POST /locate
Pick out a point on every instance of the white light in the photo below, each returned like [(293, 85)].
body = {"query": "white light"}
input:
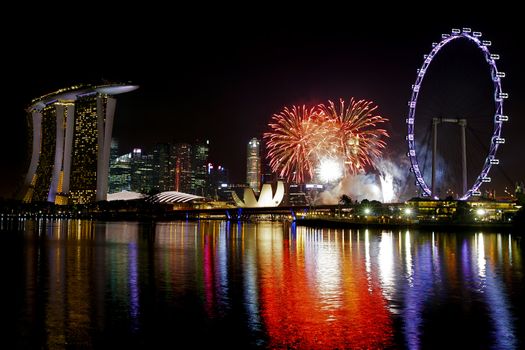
[(480, 212), (330, 170), (367, 211), (408, 211)]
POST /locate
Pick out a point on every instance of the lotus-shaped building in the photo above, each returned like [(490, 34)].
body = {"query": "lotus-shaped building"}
[(266, 197)]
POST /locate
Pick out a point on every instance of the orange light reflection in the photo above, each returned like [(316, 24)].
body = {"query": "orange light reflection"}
[(317, 295)]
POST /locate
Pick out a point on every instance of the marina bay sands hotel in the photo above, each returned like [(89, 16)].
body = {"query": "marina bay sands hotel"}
[(71, 139)]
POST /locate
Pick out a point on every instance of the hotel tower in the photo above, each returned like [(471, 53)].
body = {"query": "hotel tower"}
[(71, 140)]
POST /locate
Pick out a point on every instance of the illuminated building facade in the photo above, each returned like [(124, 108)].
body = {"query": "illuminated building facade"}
[(164, 169), (71, 139), (467, 211), (217, 180), (199, 165), (120, 173), (267, 175), (182, 161), (142, 171), (253, 165)]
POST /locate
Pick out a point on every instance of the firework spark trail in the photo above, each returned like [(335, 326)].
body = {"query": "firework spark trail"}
[(301, 138), (359, 140), (293, 143)]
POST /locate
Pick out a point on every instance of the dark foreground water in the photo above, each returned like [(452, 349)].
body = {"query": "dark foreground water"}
[(79, 284)]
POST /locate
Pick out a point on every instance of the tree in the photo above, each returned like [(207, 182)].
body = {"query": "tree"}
[(463, 212), (345, 200)]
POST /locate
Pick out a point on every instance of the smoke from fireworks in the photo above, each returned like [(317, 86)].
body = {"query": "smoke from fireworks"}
[(384, 185), (302, 139)]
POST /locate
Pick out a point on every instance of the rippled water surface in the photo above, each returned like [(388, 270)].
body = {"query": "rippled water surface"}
[(82, 284)]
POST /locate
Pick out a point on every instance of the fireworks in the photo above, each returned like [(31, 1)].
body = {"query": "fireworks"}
[(302, 138), (292, 144)]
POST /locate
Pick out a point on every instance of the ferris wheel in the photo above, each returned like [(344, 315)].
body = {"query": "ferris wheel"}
[(498, 119)]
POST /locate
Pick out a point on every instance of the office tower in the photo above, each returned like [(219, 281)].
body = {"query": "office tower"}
[(267, 175), (217, 179), (163, 174), (113, 153), (181, 156), (199, 167), (253, 165), (71, 139), (120, 174), (142, 171)]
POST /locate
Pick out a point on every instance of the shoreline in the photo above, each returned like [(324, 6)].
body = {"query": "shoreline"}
[(448, 226)]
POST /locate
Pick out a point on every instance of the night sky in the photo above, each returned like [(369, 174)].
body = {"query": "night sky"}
[(221, 79)]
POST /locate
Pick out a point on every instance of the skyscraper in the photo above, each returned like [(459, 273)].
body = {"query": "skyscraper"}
[(142, 171), (199, 167), (253, 165), (164, 179), (71, 139), (182, 159), (120, 173)]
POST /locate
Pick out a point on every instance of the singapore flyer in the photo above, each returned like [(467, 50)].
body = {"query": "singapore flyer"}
[(426, 182)]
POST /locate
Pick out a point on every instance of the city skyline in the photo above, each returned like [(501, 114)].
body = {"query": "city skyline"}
[(230, 83)]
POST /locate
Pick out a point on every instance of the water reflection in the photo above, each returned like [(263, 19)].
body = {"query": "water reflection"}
[(315, 295), (270, 285)]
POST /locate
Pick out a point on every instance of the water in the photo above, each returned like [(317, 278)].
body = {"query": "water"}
[(80, 284)]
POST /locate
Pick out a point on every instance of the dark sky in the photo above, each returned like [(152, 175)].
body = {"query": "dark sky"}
[(221, 78)]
